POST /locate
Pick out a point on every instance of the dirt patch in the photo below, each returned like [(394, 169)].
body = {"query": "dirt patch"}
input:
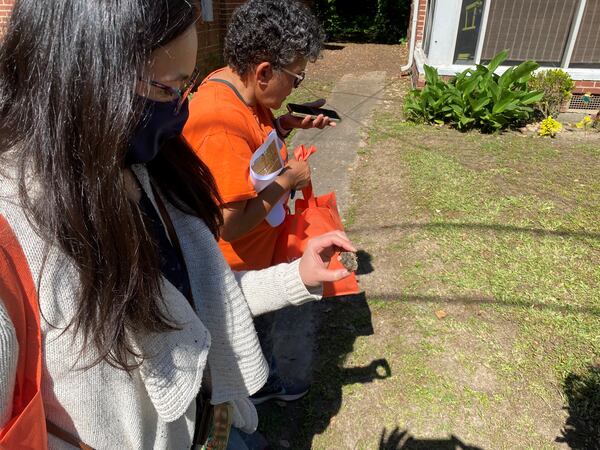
[(342, 58)]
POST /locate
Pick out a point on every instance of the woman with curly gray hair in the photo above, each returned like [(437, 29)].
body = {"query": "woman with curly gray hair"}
[(267, 48)]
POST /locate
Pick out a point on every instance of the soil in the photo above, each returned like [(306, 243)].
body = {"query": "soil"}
[(339, 59)]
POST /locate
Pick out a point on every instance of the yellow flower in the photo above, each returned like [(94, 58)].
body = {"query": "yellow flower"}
[(549, 127), (584, 122)]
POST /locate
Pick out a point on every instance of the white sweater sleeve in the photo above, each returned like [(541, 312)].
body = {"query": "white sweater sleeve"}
[(275, 288), (9, 351)]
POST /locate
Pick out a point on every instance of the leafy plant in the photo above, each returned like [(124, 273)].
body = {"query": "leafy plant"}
[(556, 85), (476, 98), (382, 21), (550, 127)]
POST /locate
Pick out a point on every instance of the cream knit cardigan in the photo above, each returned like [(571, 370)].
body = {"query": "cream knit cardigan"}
[(153, 407)]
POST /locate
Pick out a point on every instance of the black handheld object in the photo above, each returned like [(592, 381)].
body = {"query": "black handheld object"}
[(304, 111)]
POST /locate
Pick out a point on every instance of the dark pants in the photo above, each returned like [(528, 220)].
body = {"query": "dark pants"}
[(264, 328)]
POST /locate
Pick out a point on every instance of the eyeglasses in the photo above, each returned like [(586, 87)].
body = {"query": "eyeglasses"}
[(299, 78), (180, 94)]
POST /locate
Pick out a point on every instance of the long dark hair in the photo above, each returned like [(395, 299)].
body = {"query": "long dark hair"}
[(68, 71)]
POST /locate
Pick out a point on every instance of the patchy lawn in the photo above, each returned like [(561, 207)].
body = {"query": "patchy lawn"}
[(481, 322), (480, 327), (485, 289)]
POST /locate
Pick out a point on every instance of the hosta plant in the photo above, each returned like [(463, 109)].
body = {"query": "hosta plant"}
[(476, 98)]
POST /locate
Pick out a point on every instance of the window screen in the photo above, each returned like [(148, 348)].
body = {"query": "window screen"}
[(533, 29), (587, 46)]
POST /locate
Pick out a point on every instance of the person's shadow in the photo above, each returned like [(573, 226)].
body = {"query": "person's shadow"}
[(338, 322), (402, 440), (582, 391)]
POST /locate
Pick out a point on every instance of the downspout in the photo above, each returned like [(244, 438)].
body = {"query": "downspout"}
[(413, 35)]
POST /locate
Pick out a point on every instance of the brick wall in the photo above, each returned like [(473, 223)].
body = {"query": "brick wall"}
[(5, 8), (421, 17), (587, 87)]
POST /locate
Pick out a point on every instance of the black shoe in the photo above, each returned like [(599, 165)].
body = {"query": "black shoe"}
[(280, 391)]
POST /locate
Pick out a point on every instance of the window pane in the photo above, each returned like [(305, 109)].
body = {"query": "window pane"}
[(468, 31), (429, 24), (587, 46), (533, 29)]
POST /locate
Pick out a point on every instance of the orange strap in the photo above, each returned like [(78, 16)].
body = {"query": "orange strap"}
[(27, 427)]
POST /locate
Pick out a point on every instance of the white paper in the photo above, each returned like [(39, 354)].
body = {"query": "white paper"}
[(260, 182)]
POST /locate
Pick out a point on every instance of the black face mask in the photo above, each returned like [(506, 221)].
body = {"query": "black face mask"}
[(157, 126)]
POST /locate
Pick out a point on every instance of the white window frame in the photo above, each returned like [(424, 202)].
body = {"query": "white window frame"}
[(444, 30)]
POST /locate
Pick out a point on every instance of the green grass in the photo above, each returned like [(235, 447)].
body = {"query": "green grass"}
[(516, 221), (513, 222)]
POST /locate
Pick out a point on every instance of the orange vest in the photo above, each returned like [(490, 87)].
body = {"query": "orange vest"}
[(26, 429)]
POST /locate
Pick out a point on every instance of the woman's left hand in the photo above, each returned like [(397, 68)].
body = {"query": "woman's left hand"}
[(289, 121), (316, 257)]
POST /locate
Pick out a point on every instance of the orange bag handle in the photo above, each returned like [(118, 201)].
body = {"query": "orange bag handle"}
[(309, 195), (302, 154)]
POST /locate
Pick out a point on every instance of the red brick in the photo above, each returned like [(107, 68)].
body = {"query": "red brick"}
[(587, 90), (584, 83)]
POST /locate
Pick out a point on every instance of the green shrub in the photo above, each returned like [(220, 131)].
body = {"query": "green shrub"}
[(476, 98), (556, 85), (382, 21)]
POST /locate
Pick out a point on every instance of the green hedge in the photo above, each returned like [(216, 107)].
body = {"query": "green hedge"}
[(381, 21)]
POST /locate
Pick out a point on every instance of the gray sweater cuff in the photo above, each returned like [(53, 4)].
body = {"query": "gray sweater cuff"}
[(297, 292), (275, 288)]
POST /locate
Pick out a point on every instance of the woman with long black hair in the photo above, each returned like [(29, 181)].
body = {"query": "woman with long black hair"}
[(141, 317)]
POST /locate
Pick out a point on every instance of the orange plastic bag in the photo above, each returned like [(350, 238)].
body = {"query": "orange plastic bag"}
[(313, 216), (26, 429)]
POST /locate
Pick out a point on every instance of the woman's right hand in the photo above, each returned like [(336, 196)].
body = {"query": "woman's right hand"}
[(317, 255), (297, 174)]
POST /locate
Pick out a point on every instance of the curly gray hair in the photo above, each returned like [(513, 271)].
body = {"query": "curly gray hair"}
[(276, 31)]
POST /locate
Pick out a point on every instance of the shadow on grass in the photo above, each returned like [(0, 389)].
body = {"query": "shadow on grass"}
[(340, 321), (506, 302), (402, 440), (582, 429)]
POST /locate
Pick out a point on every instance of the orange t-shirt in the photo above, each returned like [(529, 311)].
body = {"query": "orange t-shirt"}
[(225, 132)]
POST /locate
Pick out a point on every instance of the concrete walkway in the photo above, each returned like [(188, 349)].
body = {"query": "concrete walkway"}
[(354, 97)]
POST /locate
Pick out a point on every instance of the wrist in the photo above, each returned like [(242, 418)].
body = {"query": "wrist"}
[(284, 128), (285, 180)]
